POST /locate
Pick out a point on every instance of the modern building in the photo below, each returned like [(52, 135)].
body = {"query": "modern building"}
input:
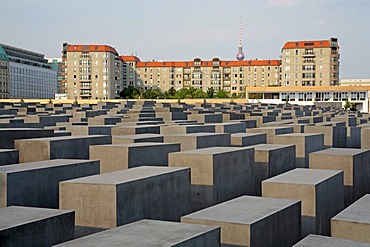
[(310, 63), (4, 74), (57, 65), (358, 95), (30, 75), (91, 71), (129, 75), (354, 82)]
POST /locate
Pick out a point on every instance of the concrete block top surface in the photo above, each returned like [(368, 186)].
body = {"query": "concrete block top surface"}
[(303, 176), (15, 216), (358, 212), (267, 147), (247, 134), (45, 164), (199, 134), (133, 145), (323, 241), (7, 150), (126, 176), (342, 151), (138, 136), (242, 210), (143, 233), (20, 129), (299, 135), (213, 150), (62, 138)]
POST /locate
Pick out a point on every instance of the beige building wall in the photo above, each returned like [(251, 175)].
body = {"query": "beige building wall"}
[(92, 72), (310, 63)]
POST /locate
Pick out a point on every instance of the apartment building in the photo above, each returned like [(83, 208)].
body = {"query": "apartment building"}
[(232, 76), (310, 63), (91, 71), (4, 74), (30, 75)]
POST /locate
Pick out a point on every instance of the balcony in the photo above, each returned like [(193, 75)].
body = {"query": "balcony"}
[(309, 54)]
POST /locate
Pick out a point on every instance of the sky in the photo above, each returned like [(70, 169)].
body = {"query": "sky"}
[(181, 30)]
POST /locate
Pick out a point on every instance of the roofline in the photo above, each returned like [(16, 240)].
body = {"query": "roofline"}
[(305, 89)]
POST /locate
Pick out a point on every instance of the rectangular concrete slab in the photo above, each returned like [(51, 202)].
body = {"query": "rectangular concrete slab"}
[(9, 156), (305, 143), (321, 193), (217, 174), (186, 129), (63, 147), (323, 241), (271, 132), (152, 233), (354, 163), (24, 226), (271, 160), (137, 138), (9, 135), (117, 198), (199, 140), (247, 139), (36, 184), (253, 221), (353, 222), (124, 156)]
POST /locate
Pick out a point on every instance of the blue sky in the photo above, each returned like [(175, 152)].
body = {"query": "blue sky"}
[(185, 29)]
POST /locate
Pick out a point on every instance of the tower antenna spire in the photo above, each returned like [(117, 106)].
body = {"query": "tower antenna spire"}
[(240, 55)]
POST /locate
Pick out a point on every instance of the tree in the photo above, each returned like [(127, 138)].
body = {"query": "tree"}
[(210, 92), (222, 94), (127, 92), (198, 94)]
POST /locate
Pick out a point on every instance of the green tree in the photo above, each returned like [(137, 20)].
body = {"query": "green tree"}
[(210, 92), (127, 92), (199, 93), (222, 94)]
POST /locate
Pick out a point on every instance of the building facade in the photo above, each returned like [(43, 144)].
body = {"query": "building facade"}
[(30, 75), (231, 76), (98, 72), (310, 63), (4, 74), (91, 72)]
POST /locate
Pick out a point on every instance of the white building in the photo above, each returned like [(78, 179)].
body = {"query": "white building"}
[(354, 82), (30, 75), (358, 95)]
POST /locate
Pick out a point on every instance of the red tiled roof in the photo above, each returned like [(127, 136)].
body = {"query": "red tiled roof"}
[(210, 63), (91, 48), (307, 44), (129, 58)]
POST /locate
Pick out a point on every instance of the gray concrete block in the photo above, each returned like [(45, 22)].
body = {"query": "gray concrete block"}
[(64, 147), (305, 143), (353, 223), (36, 184), (137, 138), (271, 132), (9, 156), (353, 137), (135, 129), (320, 191), (217, 174), (117, 198), (247, 139), (152, 233), (9, 135), (124, 156), (24, 226), (334, 136), (253, 221), (206, 118), (354, 163), (230, 127), (365, 138), (271, 160), (199, 140), (322, 241), (186, 129)]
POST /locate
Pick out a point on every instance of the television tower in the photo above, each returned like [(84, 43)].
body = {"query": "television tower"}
[(240, 55)]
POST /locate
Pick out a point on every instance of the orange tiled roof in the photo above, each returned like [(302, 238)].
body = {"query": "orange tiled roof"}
[(307, 44), (91, 48), (129, 58), (210, 63)]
